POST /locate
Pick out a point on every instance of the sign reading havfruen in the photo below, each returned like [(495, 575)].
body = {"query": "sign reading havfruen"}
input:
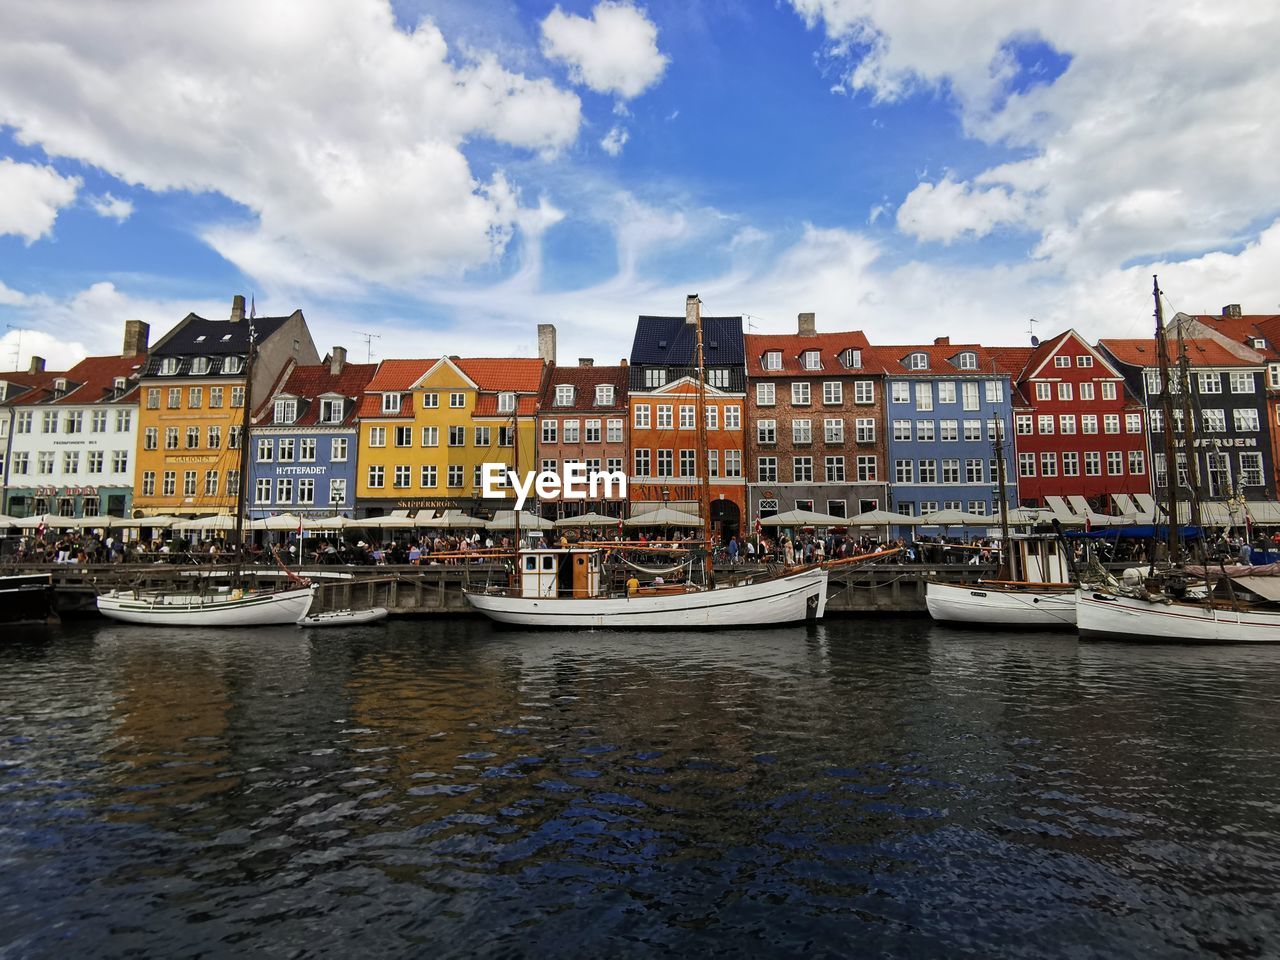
[(573, 482)]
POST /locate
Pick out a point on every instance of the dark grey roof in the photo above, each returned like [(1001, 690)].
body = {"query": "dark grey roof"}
[(196, 336), (670, 341)]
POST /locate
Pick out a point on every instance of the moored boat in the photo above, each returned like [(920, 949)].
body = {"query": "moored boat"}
[(1109, 615), (1000, 604), (221, 608), (344, 618), (26, 598)]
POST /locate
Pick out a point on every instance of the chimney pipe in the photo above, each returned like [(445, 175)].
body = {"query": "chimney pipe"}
[(586, 361), (691, 311), (337, 360), (942, 341), (137, 334), (1231, 310), (237, 308), (807, 325), (547, 343), (37, 365)]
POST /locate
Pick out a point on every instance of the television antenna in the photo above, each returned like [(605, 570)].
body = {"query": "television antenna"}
[(1031, 331), (17, 348), (368, 339)]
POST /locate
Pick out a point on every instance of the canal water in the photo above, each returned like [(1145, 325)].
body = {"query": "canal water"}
[(448, 789)]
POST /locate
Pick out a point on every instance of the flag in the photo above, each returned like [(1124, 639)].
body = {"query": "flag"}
[(1088, 525)]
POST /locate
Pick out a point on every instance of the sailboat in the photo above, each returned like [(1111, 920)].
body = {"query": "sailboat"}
[(1183, 602), (569, 586), (231, 606), (1034, 586)]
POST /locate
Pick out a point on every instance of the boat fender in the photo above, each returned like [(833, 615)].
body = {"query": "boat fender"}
[(237, 593)]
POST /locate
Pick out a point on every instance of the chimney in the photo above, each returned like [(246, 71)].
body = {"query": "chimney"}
[(237, 308), (691, 305), (586, 362), (37, 365), (1231, 310), (807, 325), (622, 362), (942, 341), (337, 360), (136, 337), (547, 343)]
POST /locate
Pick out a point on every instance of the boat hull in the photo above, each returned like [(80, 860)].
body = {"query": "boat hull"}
[(26, 598), (1107, 616), (170, 610), (344, 618), (791, 599), (992, 606)]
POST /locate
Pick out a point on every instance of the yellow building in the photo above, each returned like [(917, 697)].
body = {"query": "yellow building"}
[(191, 407), (427, 426)]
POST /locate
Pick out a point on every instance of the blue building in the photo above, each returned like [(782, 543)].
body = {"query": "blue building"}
[(304, 442), (944, 405)]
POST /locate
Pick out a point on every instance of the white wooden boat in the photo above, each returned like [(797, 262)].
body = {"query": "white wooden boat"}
[(563, 588), (224, 608), (1110, 615), (344, 618), (1043, 606)]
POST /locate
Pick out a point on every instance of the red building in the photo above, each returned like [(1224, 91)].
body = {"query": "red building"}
[(582, 418), (1077, 430)]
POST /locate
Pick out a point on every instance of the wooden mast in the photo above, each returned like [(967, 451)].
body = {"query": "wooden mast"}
[(1166, 408), (1007, 552), (242, 477), (703, 463), (1189, 431)]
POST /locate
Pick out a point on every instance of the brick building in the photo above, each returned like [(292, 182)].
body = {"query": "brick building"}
[(582, 418)]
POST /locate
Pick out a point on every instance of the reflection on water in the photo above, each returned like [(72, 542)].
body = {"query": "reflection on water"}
[(852, 788)]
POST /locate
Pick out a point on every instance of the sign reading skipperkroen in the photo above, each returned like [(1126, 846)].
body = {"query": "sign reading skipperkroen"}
[(573, 482)]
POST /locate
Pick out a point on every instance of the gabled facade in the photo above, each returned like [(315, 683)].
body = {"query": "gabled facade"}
[(1078, 431), (427, 426), (663, 398), (304, 440), (815, 411), (21, 388), (944, 406), (1228, 438), (191, 413), (582, 418)]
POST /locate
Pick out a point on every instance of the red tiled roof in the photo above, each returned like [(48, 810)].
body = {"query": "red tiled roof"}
[(395, 375), (792, 345), (1141, 352), (311, 381), (487, 405), (370, 406), (894, 359), (1013, 360), (36, 386), (584, 381), (96, 376), (1245, 328), (519, 374)]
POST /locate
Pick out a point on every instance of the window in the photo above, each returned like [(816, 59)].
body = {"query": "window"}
[(1062, 361), (44, 462), (1092, 463), (266, 450), (864, 391), (287, 411), (1115, 463), (1044, 391), (833, 431), (1250, 469), (284, 490), (906, 508), (71, 461), (666, 463), (833, 392), (564, 395), (1246, 420), (665, 413), (148, 483), (1088, 423), (947, 391), (604, 395), (928, 471), (1273, 376), (307, 450), (766, 395), (1133, 423), (391, 403), (642, 462), (1067, 423), (1023, 424), (949, 430), (153, 398), (950, 471), (237, 397), (688, 420), (75, 422), (865, 428), (800, 395), (174, 401), (833, 468), (924, 430), (688, 463), (168, 366), (973, 470), (402, 437), (868, 468), (377, 436), (457, 401), (1210, 382), (1215, 421), (900, 392), (215, 397), (171, 438), (150, 438), (773, 360), (733, 463), (233, 439), (967, 361), (613, 464), (1111, 423), (98, 422), (1045, 423), (613, 431), (1138, 462), (767, 470), (211, 483), (338, 449), (306, 490), (48, 422), (233, 481), (811, 360), (994, 391), (655, 377), (802, 470), (262, 490), (732, 417), (713, 418), (401, 476), (718, 377), (1070, 463), (1109, 390), (377, 477), (457, 436), (802, 431), (903, 471), (713, 463), (1086, 391), (337, 491), (901, 430), (973, 429), (571, 433), (1242, 383), (918, 361), (193, 438), (766, 431), (214, 437), (232, 364), (430, 400), (851, 358), (119, 461), (642, 416), (1064, 391), (1048, 464)]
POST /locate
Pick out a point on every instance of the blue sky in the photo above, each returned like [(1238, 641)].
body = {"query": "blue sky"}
[(448, 175)]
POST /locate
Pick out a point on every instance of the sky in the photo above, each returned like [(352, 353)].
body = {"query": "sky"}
[(440, 176)]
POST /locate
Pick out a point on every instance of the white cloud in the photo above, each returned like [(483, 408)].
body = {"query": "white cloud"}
[(30, 198), (615, 51), (112, 207), (948, 210), (1156, 139), (614, 141), (341, 133)]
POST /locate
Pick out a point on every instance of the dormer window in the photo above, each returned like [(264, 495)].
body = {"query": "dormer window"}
[(1258, 343), (851, 359), (811, 360), (286, 410), (331, 410), (391, 403), (564, 395), (232, 365), (120, 384), (200, 365), (918, 361), (168, 366), (967, 361), (773, 360), (506, 402), (604, 394), (60, 385)]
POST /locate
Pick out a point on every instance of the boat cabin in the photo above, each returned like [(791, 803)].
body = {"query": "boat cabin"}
[(1041, 559), (560, 572)]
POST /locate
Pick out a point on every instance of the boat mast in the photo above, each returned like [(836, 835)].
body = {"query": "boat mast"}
[(242, 476), (1188, 431), (1006, 545), (515, 467), (1166, 409), (704, 465)]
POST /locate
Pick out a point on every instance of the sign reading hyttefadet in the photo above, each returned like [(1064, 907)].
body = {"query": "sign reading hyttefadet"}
[(573, 482)]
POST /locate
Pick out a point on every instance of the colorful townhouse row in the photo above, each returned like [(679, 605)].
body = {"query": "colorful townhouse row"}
[(828, 422)]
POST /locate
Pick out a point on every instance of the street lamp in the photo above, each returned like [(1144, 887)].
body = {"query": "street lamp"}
[(666, 495)]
